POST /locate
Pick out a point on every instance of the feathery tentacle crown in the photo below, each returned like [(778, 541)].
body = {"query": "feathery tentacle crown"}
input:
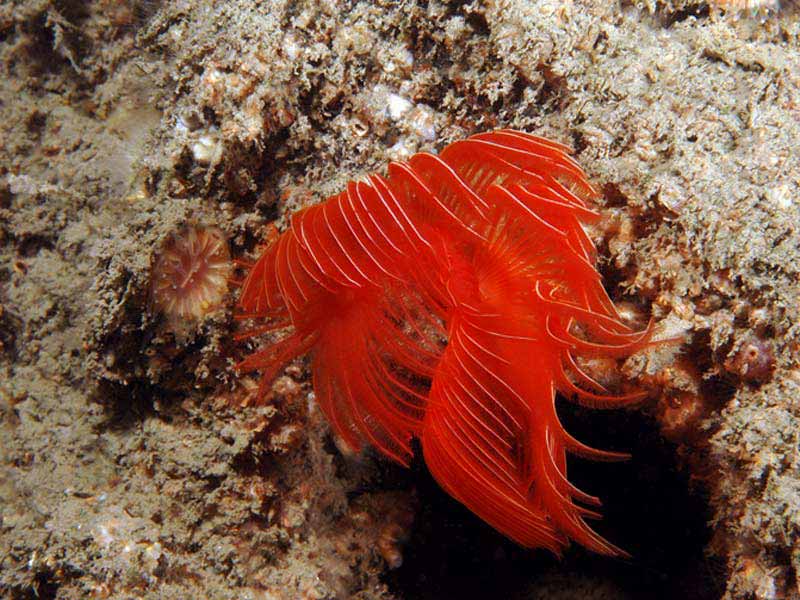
[(441, 302)]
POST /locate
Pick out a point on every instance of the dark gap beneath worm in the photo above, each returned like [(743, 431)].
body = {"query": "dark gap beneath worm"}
[(650, 509)]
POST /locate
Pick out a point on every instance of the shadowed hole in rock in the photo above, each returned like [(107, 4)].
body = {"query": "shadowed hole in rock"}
[(43, 588), (650, 509)]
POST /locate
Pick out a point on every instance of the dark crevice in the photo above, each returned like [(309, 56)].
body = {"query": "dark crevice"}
[(697, 11), (31, 245), (650, 509), (126, 406), (44, 587), (478, 22), (613, 196), (554, 93)]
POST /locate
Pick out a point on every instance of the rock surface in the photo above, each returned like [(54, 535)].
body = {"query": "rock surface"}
[(134, 462)]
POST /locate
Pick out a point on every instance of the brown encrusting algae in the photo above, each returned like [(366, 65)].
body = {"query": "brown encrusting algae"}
[(136, 462)]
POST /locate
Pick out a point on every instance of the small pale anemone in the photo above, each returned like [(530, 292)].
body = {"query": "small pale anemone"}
[(190, 276)]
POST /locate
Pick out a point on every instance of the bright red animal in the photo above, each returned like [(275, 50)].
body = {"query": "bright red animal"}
[(447, 302)]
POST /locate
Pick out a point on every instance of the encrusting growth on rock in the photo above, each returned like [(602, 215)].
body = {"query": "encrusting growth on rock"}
[(449, 301)]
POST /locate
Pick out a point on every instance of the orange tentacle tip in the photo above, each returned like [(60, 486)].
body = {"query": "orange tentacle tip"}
[(449, 301)]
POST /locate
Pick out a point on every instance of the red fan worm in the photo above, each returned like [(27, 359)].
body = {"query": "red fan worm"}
[(448, 301)]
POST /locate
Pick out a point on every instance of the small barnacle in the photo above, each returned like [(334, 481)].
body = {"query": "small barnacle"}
[(291, 48), (385, 520), (394, 534), (19, 267), (781, 196), (286, 387), (397, 106), (389, 544), (422, 121), (207, 149), (190, 276), (753, 361), (759, 580), (681, 415), (400, 150)]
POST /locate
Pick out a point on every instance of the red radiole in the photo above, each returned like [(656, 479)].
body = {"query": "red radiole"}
[(448, 302)]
